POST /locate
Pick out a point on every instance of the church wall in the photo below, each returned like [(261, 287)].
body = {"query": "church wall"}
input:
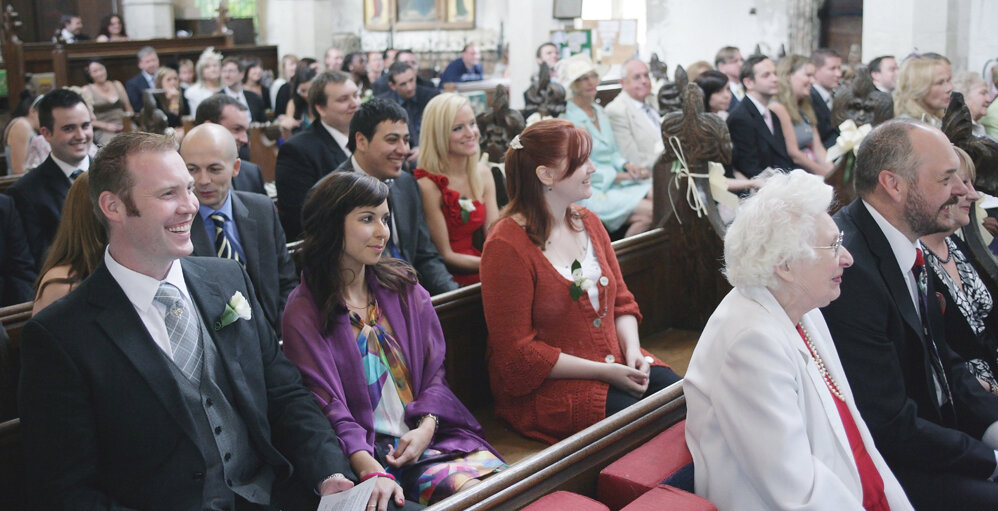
[(683, 31)]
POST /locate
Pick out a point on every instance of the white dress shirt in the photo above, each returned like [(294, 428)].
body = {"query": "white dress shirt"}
[(141, 291)]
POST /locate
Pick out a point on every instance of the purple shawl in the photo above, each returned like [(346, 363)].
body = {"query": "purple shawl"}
[(330, 368)]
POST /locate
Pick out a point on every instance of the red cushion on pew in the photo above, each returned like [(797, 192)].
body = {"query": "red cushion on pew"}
[(644, 468), (565, 500), (673, 499)]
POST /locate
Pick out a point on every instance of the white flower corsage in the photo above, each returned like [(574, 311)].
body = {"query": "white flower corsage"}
[(582, 283), (467, 206), (237, 308)]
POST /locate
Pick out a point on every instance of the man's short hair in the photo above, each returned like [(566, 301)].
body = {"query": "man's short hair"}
[(822, 54), (725, 54), (367, 118), (396, 69), (109, 171), (145, 50), (541, 47), (384, 54), (233, 60), (748, 67), (56, 98), (887, 147), (66, 18), (317, 91), (875, 64), (210, 110), (465, 48)]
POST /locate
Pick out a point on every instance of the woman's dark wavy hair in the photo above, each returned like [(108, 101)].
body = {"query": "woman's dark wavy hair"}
[(549, 143), (711, 82), (323, 220)]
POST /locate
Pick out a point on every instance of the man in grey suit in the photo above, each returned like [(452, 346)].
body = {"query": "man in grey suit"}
[(237, 225), (141, 390), (379, 141), (233, 116), (636, 125)]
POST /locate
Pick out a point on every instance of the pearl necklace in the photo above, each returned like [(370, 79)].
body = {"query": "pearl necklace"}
[(832, 386)]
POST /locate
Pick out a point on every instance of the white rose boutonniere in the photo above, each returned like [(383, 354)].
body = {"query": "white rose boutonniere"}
[(582, 283), (237, 308), (467, 206)]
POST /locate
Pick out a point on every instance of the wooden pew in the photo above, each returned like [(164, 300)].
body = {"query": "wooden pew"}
[(68, 61), (574, 463)]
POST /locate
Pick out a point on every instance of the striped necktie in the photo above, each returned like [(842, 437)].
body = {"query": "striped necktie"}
[(184, 331), (223, 245)]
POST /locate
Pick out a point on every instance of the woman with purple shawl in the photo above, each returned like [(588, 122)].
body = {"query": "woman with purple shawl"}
[(368, 344)]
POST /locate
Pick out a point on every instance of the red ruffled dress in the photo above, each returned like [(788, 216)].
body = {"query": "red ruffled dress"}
[(459, 229)]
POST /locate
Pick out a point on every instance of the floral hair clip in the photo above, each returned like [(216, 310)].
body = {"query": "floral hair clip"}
[(515, 143)]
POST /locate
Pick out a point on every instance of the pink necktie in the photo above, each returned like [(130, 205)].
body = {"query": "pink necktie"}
[(766, 116)]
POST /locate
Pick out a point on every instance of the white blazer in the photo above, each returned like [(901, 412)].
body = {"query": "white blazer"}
[(640, 141), (763, 428)]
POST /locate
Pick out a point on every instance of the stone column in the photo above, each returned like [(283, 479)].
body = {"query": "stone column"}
[(307, 27), (804, 26), (147, 19)]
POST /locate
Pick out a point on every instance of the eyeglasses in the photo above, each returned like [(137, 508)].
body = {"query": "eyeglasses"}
[(835, 246)]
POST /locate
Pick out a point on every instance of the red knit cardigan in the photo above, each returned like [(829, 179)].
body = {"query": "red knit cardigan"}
[(532, 319)]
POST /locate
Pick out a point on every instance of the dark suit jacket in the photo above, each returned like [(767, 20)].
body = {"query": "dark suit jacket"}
[(134, 87), (414, 107), (301, 162), (104, 419), (753, 147), (414, 236), (39, 196), (734, 101), (878, 334), (826, 130), (17, 267), (268, 263), (257, 107), (250, 178)]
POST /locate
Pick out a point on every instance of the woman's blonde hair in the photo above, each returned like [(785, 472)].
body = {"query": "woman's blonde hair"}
[(914, 81), (799, 108), (161, 74), (208, 55), (434, 139)]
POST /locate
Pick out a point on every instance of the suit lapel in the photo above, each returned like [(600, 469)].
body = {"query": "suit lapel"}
[(203, 245), (881, 250), (763, 128), (249, 234), (210, 300), (121, 324)]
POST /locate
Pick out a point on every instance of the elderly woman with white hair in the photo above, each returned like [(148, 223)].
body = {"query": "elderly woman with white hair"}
[(621, 190), (976, 95), (771, 422)]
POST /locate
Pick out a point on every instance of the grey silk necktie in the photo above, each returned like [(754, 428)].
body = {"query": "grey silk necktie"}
[(183, 330)]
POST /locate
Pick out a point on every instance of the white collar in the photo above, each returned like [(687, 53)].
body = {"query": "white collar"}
[(903, 248), (759, 106), (825, 95), (340, 137), (141, 289), (69, 168)]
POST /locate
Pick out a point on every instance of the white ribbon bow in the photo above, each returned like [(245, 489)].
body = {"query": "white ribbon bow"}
[(850, 138)]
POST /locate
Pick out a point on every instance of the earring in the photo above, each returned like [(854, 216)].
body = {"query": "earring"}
[(550, 188)]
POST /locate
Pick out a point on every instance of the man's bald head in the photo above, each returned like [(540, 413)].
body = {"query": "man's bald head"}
[(209, 151)]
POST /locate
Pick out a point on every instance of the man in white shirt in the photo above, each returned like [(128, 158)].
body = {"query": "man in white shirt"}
[(827, 73), (636, 124), (729, 61), (931, 419), (72, 29), (317, 150), (139, 390), (64, 121), (884, 71), (233, 73)]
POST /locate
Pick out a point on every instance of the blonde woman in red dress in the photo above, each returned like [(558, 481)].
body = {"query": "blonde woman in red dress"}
[(459, 195)]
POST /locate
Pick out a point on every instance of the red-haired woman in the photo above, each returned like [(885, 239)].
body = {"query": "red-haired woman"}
[(563, 347)]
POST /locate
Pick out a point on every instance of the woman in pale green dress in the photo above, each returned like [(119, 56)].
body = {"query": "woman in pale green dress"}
[(621, 189)]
